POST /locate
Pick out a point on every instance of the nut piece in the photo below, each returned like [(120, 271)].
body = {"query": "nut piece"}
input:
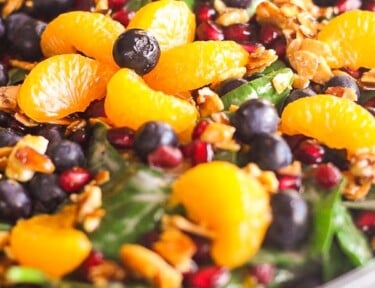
[(221, 136), (148, 265), (209, 102), (8, 98)]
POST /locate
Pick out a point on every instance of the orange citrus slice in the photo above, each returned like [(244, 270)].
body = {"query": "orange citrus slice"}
[(91, 34), (171, 22), (197, 64), (350, 37), (62, 85), (225, 200), (130, 102), (336, 122), (49, 243)]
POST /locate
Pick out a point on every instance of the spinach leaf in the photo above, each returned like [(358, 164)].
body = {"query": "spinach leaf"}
[(366, 96), (135, 5), (336, 262), (237, 279), (16, 76), (25, 275), (190, 3), (281, 259), (5, 227), (261, 87), (134, 199)]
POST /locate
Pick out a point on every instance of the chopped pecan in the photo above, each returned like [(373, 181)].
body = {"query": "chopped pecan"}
[(8, 98), (343, 92), (105, 272), (22, 64), (356, 187), (363, 165), (26, 121), (367, 80), (259, 60), (233, 16), (208, 102), (146, 264), (266, 178), (220, 135)]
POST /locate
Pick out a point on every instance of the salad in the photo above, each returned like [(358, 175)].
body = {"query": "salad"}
[(192, 143)]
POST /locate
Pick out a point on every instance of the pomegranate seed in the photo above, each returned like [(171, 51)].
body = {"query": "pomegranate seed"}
[(354, 73), (368, 5), (346, 5), (250, 46), (208, 277), (238, 32), (202, 255), (269, 33), (123, 16), (370, 103), (199, 128), (209, 31), (83, 5), (116, 4), (148, 239), (309, 152), (294, 140), (165, 157), (74, 179), (95, 110), (79, 136), (205, 12), (264, 273), (287, 182), (94, 259), (201, 152), (121, 137), (279, 45), (365, 221), (327, 175)]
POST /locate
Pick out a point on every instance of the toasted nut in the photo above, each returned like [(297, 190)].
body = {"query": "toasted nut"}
[(8, 95), (266, 178), (11, 6), (355, 188), (209, 102), (220, 135), (177, 248), (105, 272), (148, 265), (233, 16), (22, 64), (33, 160)]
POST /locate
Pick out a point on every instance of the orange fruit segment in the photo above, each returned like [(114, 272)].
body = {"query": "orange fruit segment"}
[(92, 34), (349, 37), (228, 202), (62, 85), (197, 64), (49, 243), (336, 122), (170, 22), (130, 102)]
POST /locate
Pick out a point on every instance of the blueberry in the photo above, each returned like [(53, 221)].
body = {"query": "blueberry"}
[(23, 33), (8, 137), (5, 119), (253, 117), (152, 135), (66, 154), (14, 201), (136, 49), (290, 220), (269, 152), (4, 77), (229, 85), (46, 193), (48, 9), (238, 3), (297, 94), (324, 3), (343, 81), (2, 28)]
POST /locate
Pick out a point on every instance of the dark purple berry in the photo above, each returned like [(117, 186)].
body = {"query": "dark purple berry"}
[(136, 49), (290, 219), (253, 117), (4, 77), (269, 152), (297, 94), (324, 3), (46, 192), (238, 3), (48, 9), (343, 81), (230, 84), (8, 137), (15, 203), (67, 154), (152, 135)]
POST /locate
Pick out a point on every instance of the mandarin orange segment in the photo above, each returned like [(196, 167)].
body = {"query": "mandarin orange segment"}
[(228, 202), (130, 102), (171, 22), (196, 64), (92, 34), (62, 85), (50, 244), (350, 37), (337, 122)]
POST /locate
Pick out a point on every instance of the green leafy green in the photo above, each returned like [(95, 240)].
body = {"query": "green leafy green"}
[(237, 278), (5, 227), (25, 275), (135, 5), (134, 199), (284, 259), (366, 96), (190, 3), (261, 87), (16, 76)]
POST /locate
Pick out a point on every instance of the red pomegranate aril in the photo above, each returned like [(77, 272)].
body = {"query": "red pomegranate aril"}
[(346, 5), (116, 4), (165, 157), (204, 12), (74, 179), (208, 277), (123, 16), (201, 152), (365, 221), (309, 152), (239, 32), (354, 73), (327, 175), (368, 5), (94, 259), (80, 136), (83, 5), (269, 33), (148, 239), (264, 273), (370, 103), (287, 182), (121, 137), (202, 254), (209, 31), (250, 46), (199, 128), (95, 109), (294, 140), (279, 45)]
